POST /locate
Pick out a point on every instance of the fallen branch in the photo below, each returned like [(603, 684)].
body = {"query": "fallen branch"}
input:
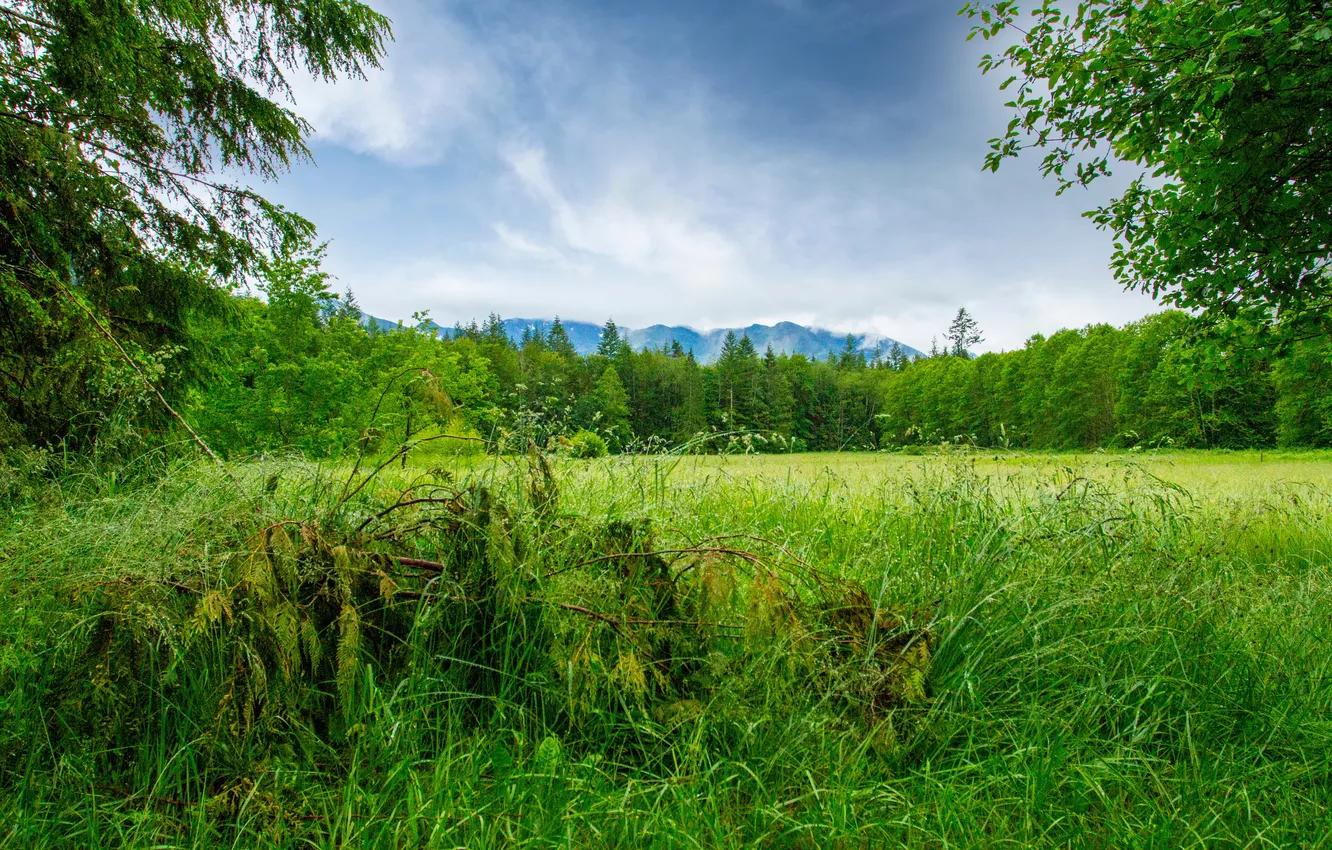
[(452, 500)]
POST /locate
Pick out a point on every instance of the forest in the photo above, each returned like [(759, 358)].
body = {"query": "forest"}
[(300, 369), (1155, 383)]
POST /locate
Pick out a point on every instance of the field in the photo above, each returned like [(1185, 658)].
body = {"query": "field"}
[(842, 650)]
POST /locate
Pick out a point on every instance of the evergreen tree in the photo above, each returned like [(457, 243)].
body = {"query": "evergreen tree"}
[(851, 357), (746, 349), (896, 358), (610, 343), (349, 308), (737, 382), (963, 333), (558, 341), (116, 119), (777, 400), (729, 345), (494, 333)]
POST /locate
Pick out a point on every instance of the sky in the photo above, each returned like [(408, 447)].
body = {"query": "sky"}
[(711, 163)]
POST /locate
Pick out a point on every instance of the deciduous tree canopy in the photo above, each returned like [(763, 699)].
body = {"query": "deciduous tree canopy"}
[(1226, 109)]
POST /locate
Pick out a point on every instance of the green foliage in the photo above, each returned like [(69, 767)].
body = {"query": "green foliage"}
[(114, 118), (587, 444), (1304, 398), (963, 333), (1149, 384), (299, 372), (1222, 107)]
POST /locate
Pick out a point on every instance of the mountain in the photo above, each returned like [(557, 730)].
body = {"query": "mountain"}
[(784, 337)]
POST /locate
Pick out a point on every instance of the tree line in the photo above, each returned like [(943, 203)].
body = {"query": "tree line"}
[(302, 369)]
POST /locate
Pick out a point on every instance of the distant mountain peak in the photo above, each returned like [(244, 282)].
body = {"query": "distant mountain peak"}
[(784, 337)]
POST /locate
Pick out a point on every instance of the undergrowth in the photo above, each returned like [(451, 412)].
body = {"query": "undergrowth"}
[(599, 655)]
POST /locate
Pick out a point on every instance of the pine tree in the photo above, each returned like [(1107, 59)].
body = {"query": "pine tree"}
[(738, 390), (349, 308), (728, 346), (494, 333), (129, 135), (746, 348), (963, 333), (896, 358), (610, 343), (776, 400), (558, 341), (851, 356)]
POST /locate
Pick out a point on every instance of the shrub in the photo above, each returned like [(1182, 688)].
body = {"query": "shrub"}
[(587, 444)]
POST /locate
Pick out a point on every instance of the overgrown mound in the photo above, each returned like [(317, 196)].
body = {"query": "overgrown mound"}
[(315, 639)]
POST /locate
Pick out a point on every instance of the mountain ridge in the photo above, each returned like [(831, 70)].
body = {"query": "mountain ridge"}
[(784, 337)]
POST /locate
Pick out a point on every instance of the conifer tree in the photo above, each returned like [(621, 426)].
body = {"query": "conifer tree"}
[(610, 342), (851, 356), (494, 333), (116, 119), (896, 358), (963, 333), (558, 341), (349, 308)]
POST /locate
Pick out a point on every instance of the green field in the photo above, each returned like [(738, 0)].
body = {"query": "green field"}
[(841, 650)]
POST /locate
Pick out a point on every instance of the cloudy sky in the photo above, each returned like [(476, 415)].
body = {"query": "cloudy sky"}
[(693, 162)]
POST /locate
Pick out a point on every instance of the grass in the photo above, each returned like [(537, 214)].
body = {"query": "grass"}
[(1123, 651)]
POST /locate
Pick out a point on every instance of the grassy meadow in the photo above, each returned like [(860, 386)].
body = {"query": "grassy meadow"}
[(837, 650)]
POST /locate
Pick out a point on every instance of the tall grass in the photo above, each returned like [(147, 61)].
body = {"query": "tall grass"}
[(1112, 661)]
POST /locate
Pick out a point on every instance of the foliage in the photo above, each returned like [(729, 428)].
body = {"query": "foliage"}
[(963, 333), (1147, 384), (114, 118), (1223, 107), (300, 372), (587, 444), (610, 406), (1304, 397)]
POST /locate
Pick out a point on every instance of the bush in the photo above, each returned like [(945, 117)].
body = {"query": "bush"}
[(587, 444)]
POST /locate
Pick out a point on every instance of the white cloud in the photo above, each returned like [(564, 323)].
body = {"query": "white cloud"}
[(601, 185), (436, 81), (631, 223)]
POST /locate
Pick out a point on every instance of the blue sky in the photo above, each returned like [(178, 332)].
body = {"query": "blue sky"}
[(702, 163)]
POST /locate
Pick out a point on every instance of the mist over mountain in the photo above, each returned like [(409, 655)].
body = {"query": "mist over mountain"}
[(784, 337)]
